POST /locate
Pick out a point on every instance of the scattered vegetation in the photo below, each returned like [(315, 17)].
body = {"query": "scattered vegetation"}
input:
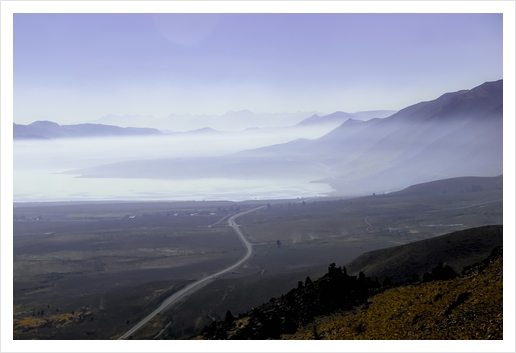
[(336, 290), (469, 306), (56, 320), (337, 306)]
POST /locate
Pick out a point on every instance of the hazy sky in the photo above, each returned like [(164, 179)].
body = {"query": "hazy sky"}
[(76, 67)]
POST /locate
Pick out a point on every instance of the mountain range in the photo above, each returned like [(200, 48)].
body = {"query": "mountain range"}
[(46, 130), (237, 120), (232, 122), (457, 134), (337, 118)]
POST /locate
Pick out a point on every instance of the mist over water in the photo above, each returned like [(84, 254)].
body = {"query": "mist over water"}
[(38, 167), (60, 187)]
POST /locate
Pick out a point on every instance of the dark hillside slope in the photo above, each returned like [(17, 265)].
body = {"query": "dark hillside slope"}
[(337, 294), (464, 308), (456, 250), (461, 184)]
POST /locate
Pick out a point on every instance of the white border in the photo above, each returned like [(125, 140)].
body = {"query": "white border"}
[(10, 7)]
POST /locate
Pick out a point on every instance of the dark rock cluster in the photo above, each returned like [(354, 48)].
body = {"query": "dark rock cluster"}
[(335, 291)]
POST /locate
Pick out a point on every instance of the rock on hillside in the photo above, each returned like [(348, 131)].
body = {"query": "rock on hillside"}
[(334, 291), (467, 307)]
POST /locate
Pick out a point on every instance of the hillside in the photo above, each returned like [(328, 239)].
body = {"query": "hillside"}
[(461, 184), (443, 305), (457, 249), (465, 308), (457, 134)]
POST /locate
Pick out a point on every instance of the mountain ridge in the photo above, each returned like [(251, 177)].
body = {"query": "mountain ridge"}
[(420, 143), (51, 130), (340, 117)]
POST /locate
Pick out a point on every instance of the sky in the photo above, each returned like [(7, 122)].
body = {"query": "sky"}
[(72, 68)]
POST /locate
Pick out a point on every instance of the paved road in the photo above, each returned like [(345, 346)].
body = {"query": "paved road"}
[(369, 224), (220, 220), (193, 287)]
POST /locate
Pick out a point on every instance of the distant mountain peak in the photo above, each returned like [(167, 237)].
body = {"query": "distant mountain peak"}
[(340, 117), (203, 130), (44, 123), (352, 121)]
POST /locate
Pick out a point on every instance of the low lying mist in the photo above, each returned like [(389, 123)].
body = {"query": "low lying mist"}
[(65, 154), (38, 165)]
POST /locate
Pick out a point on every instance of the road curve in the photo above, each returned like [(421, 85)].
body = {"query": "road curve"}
[(369, 224), (193, 287)]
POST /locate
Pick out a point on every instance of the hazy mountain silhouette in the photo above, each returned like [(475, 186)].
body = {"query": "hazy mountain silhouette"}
[(129, 120), (338, 118), (229, 121), (238, 120), (457, 134), (51, 130)]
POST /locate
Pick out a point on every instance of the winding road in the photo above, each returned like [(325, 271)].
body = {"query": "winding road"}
[(195, 286), (369, 225)]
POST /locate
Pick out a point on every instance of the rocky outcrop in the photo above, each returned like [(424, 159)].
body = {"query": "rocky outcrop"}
[(333, 292), (339, 306), (470, 306)]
